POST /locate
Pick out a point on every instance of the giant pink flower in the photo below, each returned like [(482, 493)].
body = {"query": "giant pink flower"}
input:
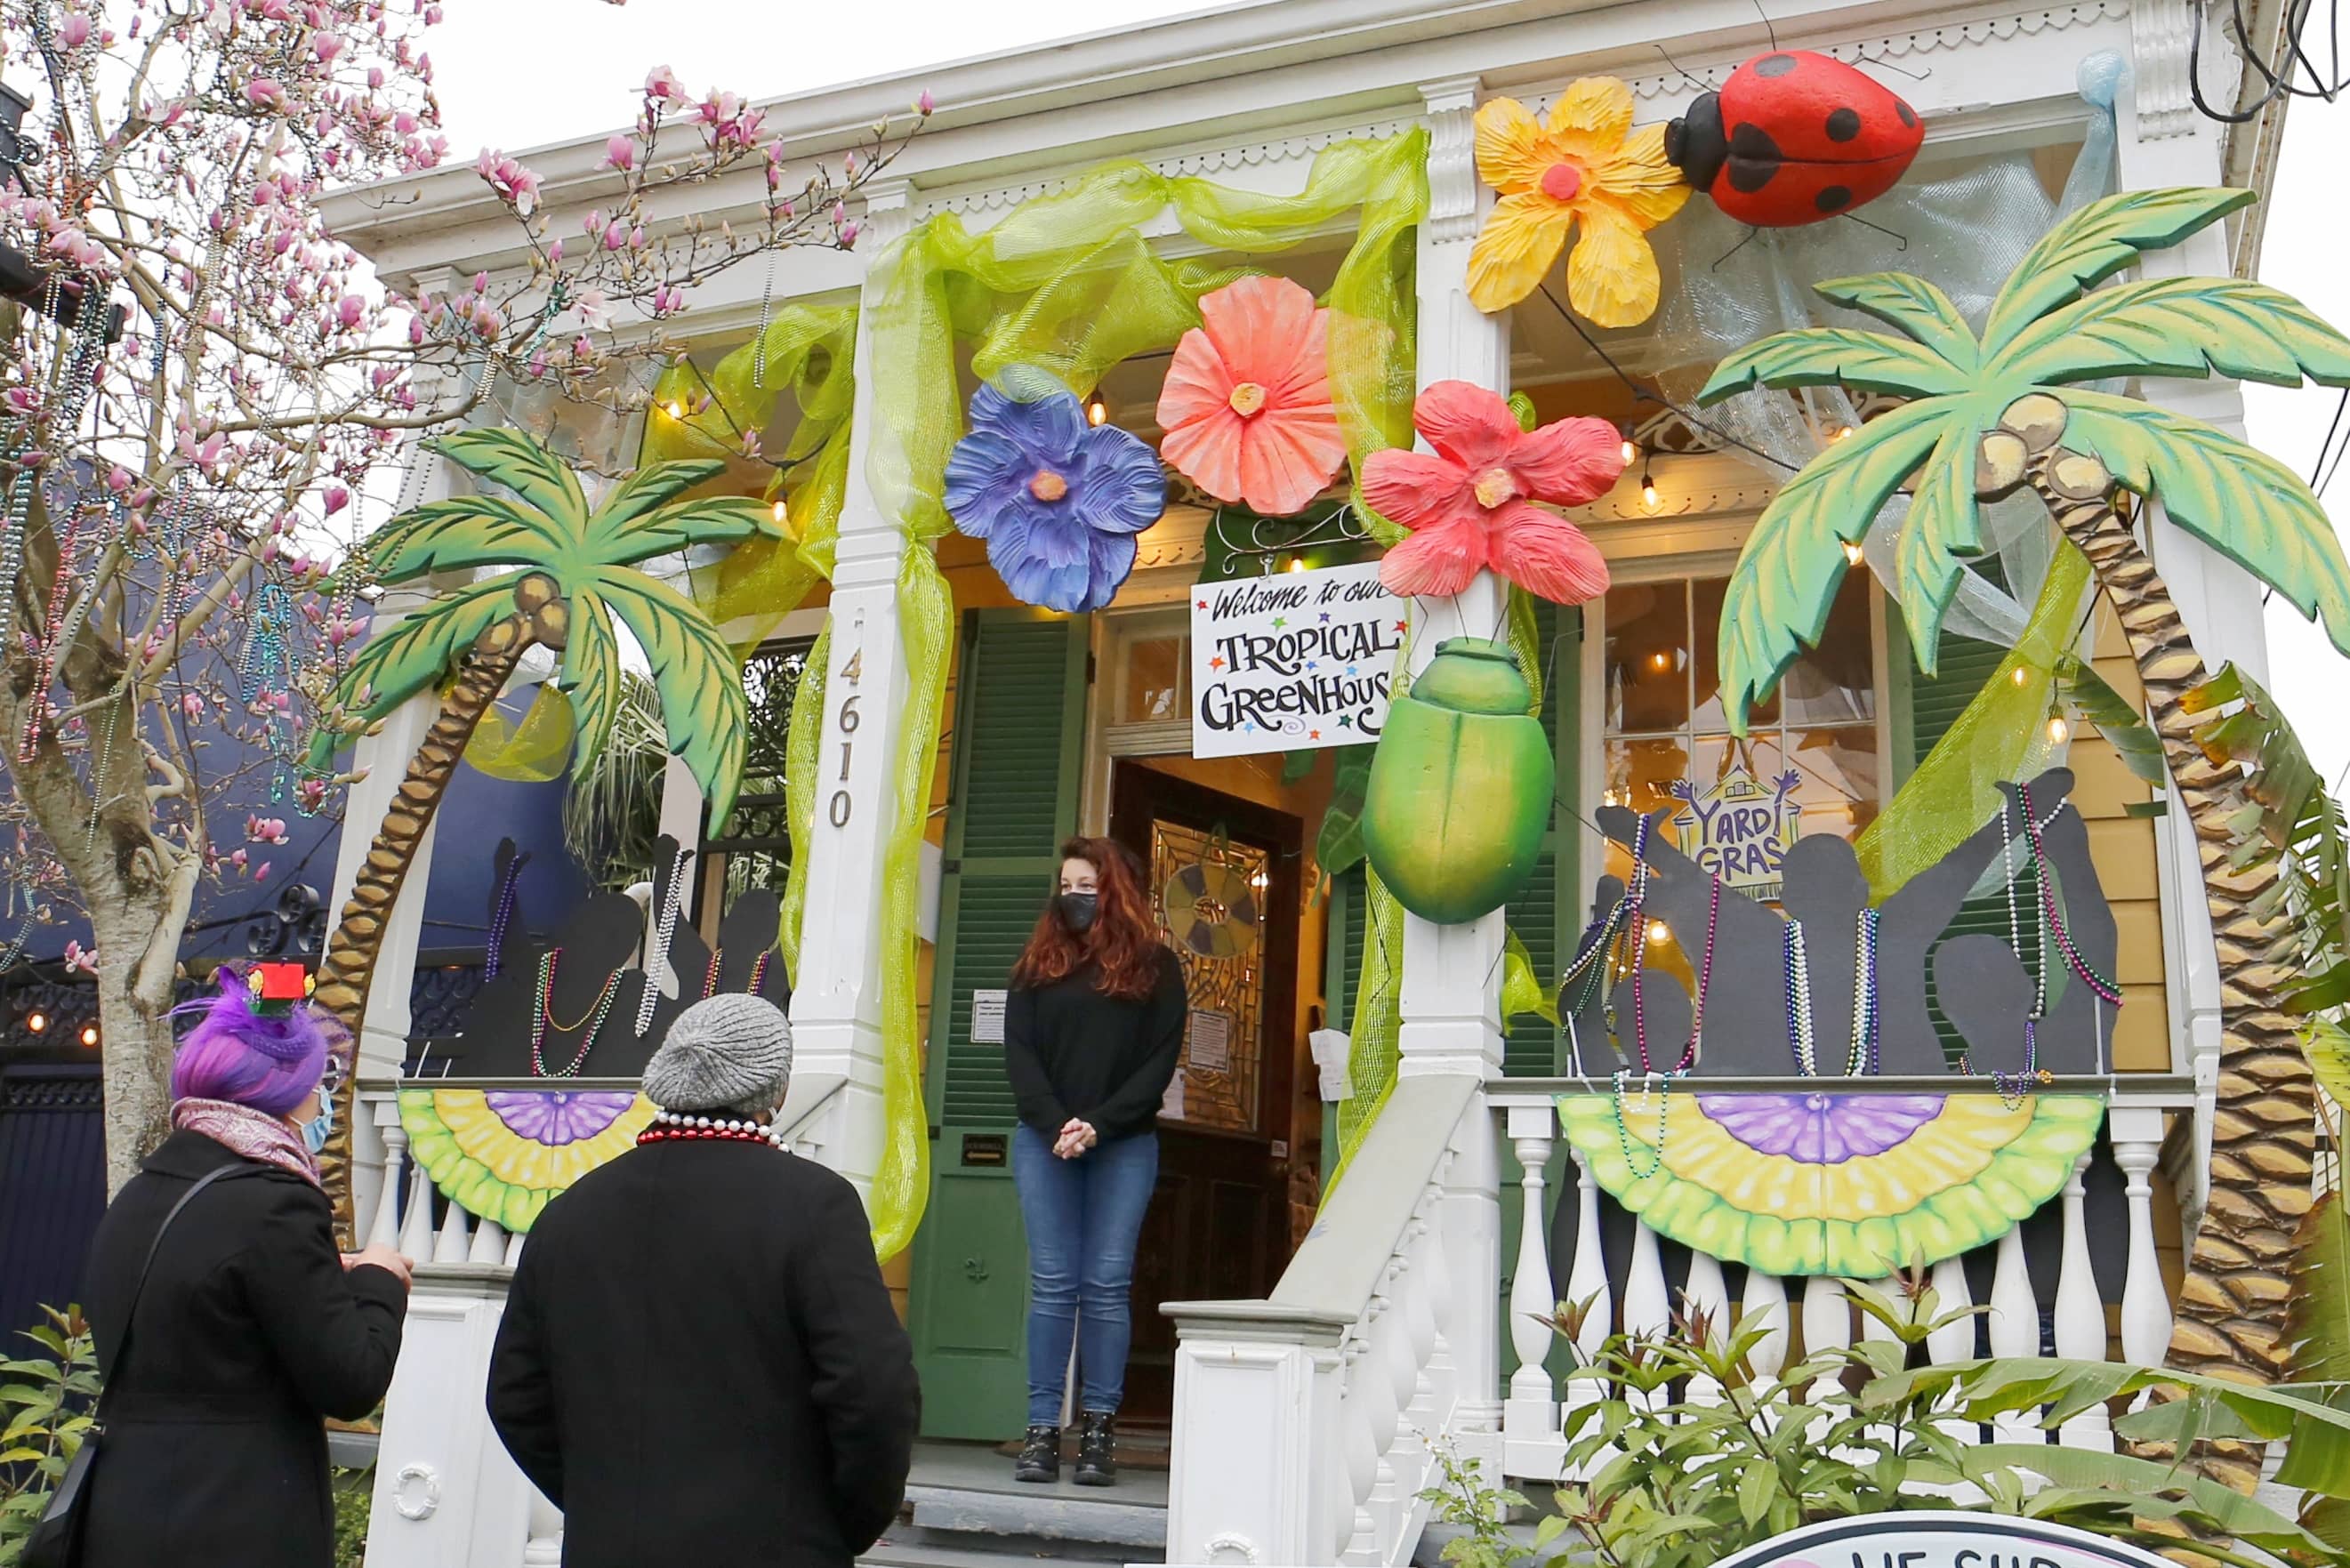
[(1246, 403), (1469, 503)]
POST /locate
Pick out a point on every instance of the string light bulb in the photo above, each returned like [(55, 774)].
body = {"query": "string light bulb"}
[(1296, 563), (2022, 677), (1659, 932), (780, 512), (1648, 489), (673, 409), (1631, 451), (2059, 730), (90, 1036), (1843, 433), (1096, 411), (37, 1021), (1852, 552)]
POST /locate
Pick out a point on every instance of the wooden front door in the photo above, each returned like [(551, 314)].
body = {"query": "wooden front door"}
[(1223, 874)]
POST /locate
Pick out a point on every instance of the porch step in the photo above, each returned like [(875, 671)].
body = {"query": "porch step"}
[(963, 1510)]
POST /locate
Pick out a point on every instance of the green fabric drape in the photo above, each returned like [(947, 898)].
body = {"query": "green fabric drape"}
[(1068, 283), (1995, 739)]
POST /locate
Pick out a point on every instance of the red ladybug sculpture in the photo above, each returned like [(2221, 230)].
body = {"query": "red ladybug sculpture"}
[(1794, 137)]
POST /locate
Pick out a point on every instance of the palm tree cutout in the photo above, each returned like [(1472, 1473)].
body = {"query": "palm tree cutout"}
[(572, 570), (1990, 414)]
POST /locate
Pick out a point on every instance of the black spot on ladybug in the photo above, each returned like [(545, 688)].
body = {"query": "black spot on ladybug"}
[(1834, 199), (1909, 115), (1844, 125), (1774, 65), (1754, 158)]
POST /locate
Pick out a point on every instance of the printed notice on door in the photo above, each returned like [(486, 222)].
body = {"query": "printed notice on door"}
[(1292, 661), (987, 1017), (1210, 1046)]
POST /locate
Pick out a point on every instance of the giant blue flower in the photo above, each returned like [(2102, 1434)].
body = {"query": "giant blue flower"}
[(1057, 499)]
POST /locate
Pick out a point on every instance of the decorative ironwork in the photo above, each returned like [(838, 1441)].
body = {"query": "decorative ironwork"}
[(1244, 536), (441, 994), (757, 843), (297, 926)]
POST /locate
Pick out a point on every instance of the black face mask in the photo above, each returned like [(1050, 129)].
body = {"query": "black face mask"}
[(1078, 911)]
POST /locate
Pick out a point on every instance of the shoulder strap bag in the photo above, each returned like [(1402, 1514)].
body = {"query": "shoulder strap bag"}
[(55, 1541)]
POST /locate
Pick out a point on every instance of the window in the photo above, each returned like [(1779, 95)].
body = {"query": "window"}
[(1661, 716)]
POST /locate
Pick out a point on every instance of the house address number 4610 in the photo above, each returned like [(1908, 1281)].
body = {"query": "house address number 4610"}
[(846, 721)]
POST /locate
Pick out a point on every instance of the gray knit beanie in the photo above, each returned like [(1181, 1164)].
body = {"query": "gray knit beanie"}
[(729, 1052)]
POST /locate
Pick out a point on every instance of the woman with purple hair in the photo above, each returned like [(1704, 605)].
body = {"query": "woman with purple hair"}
[(251, 1327)]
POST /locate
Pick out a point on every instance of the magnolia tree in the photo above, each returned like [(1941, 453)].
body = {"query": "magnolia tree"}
[(198, 380)]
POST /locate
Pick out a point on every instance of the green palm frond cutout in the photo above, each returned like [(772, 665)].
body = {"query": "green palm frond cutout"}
[(2236, 499), (2098, 241), (510, 458), (2043, 334), (2187, 326), (539, 521), (1911, 304), (1836, 356), (1785, 580)]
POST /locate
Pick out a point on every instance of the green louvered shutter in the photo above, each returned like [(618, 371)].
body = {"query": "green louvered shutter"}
[(1931, 706), (1018, 738), (1543, 913)]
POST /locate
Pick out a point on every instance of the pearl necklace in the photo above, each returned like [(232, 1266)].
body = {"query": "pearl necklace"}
[(1624, 1133), (2012, 1087), (664, 929), (1861, 1055), (543, 1017), (673, 1127)]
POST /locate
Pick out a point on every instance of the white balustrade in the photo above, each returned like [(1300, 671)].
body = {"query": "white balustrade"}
[(1706, 1298), (2081, 1314), (2014, 1330), (2145, 1299)]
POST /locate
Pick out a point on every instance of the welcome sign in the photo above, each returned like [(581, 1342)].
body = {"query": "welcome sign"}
[(1940, 1540), (1292, 661)]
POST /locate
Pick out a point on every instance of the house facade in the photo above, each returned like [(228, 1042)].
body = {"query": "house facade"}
[(918, 899)]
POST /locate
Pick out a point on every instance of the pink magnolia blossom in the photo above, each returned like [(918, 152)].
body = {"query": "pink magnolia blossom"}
[(509, 178), (78, 956), (925, 105), (662, 85), (265, 93), (620, 152), (74, 29), (595, 309)]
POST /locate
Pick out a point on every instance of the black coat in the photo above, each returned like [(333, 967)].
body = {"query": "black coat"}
[(698, 1364), (250, 1330)]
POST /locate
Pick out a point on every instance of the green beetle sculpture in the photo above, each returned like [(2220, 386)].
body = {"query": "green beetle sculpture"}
[(1461, 785)]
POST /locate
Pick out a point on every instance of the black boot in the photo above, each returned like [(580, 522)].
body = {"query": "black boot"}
[(1096, 1446), (1040, 1456)]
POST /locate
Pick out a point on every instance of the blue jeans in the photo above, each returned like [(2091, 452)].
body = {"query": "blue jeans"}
[(1082, 1215)]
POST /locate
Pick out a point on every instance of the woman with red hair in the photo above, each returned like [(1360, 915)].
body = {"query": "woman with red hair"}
[(1091, 1035)]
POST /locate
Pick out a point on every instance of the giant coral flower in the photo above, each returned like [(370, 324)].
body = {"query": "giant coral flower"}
[(1586, 165), (1246, 404), (1059, 501), (1468, 505)]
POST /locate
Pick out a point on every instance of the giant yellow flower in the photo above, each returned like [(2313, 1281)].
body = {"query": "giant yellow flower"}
[(1586, 168)]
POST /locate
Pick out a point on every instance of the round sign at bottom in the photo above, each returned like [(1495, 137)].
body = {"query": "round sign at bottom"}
[(1940, 1540)]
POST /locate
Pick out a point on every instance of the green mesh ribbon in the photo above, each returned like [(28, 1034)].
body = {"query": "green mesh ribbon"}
[(1068, 283), (1373, 1044), (1994, 741)]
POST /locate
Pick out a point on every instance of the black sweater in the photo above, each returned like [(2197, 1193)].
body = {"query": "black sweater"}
[(1073, 1052)]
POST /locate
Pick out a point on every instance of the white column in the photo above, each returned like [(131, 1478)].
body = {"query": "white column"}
[(1530, 1416), (836, 1005), (1450, 993), (2146, 1300)]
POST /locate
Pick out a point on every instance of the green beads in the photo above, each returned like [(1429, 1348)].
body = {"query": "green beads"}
[(1461, 785)]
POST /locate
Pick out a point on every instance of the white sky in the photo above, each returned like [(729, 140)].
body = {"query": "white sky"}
[(585, 62)]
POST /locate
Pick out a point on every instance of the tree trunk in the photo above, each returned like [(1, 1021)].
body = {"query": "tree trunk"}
[(2231, 1307), (348, 971)]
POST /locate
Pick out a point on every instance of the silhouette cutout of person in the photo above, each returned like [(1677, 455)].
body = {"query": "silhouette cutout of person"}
[(1747, 1026)]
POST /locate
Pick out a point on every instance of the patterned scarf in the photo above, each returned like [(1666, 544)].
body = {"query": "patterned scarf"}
[(257, 1135)]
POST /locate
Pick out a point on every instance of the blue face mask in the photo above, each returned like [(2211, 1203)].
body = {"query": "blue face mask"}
[(316, 1130)]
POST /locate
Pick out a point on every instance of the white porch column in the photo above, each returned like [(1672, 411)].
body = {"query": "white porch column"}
[(2163, 141), (1450, 993), (837, 1002)]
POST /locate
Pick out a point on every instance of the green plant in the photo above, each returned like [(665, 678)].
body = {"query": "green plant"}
[(45, 1401), (1681, 1481), (354, 1493), (611, 808)]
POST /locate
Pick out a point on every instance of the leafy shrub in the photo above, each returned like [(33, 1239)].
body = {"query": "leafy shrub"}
[(354, 1490), (1692, 1454), (44, 1408)]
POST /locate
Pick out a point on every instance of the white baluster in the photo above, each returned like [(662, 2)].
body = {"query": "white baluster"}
[(1375, 1376), (1365, 1377), (1827, 1325), (1398, 1485), (513, 1249), (416, 1224), (1647, 1303), (385, 1231), (1587, 1289), (2146, 1300), (1472, 1228), (2014, 1330), (544, 1549), (1706, 1297), (1419, 1318), (489, 1242), (1764, 1306), (456, 1242), (2081, 1314), (1954, 1341), (1531, 1413)]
